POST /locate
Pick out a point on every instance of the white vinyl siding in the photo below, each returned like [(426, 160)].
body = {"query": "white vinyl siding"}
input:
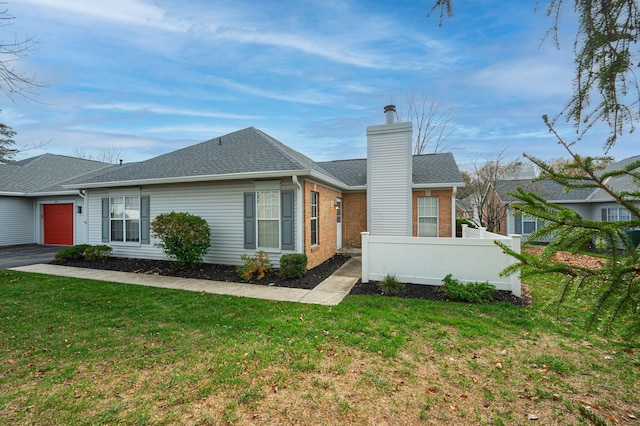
[(220, 204), (427, 216), (79, 225), (389, 178), (17, 222)]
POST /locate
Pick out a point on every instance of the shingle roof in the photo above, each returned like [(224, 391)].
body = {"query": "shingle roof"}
[(244, 151), (427, 169), (620, 183), (553, 191), (44, 171), (548, 189), (251, 151)]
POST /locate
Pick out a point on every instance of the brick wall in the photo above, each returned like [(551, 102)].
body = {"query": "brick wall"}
[(354, 218), (327, 224), (444, 209)]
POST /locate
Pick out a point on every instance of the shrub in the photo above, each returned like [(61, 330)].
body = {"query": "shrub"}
[(182, 236), (463, 221), (71, 253), (96, 253), (255, 266), (293, 266), (390, 285), (475, 292)]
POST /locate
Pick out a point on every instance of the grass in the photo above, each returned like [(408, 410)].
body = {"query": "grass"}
[(88, 352)]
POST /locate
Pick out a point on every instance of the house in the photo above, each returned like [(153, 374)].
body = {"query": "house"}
[(593, 204), (35, 209), (258, 194)]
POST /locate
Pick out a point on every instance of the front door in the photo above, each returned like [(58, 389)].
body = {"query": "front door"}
[(339, 223)]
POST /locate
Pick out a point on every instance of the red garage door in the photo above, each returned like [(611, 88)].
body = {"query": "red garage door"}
[(58, 224)]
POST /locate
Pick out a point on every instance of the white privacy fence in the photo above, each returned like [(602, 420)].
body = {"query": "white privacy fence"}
[(423, 260)]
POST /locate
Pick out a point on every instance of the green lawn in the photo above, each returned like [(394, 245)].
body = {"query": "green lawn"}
[(88, 352)]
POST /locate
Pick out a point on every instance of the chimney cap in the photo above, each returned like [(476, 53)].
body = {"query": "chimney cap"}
[(390, 112)]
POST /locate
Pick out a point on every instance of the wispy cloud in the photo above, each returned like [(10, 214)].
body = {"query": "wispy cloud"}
[(129, 12), (158, 109)]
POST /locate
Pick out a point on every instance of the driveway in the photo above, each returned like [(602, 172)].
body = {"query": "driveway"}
[(12, 256)]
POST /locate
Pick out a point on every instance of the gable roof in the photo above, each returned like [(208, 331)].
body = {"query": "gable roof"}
[(555, 192), (252, 154), (548, 189), (43, 174), (618, 183), (247, 153)]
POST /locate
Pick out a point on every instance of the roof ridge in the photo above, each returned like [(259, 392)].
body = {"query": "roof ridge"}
[(281, 147)]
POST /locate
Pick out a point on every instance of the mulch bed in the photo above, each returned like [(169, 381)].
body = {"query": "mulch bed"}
[(207, 271), (313, 277)]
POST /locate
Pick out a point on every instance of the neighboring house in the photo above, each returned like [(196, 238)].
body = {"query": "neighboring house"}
[(35, 209), (592, 204), (258, 194)]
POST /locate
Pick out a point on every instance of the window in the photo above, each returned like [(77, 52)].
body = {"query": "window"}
[(615, 214), (268, 217), (124, 218), (529, 225), (427, 216), (314, 218)]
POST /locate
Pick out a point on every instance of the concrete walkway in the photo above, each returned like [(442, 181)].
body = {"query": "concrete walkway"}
[(330, 292)]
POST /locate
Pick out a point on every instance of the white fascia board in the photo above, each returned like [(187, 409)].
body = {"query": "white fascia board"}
[(443, 185), (12, 194), (356, 188), (48, 194), (326, 179), (187, 179)]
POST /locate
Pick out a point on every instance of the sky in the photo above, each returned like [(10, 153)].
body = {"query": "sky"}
[(146, 77)]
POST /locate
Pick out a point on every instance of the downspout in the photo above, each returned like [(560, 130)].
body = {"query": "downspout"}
[(299, 215), (453, 211), (82, 195)]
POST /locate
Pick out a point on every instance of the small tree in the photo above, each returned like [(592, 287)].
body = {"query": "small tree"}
[(615, 287), (6, 144), (183, 236)]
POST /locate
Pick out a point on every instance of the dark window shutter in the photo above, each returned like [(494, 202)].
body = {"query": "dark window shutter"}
[(604, 215), (249, 220), (145, 223), (287, 219), (518, 222), (105, 220)]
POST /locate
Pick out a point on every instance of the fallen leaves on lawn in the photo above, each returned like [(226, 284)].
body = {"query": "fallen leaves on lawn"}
[(582, 260)]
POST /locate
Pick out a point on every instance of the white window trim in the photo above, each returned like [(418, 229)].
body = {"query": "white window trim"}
[(278, 219), (437, 216), (123, 194), (619, 210), (316, 217)]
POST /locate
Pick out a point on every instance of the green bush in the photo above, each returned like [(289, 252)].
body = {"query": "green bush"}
[(475, 292), (390, 285), (293, 266), (463, 221), (255, 266), (71, 253), (96, 253), (182, 236)]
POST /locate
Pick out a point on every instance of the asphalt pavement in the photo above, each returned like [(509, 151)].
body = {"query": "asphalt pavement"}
[(13, 256)]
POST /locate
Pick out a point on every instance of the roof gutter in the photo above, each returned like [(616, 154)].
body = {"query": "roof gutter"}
[(437, 185), (189, 179)]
